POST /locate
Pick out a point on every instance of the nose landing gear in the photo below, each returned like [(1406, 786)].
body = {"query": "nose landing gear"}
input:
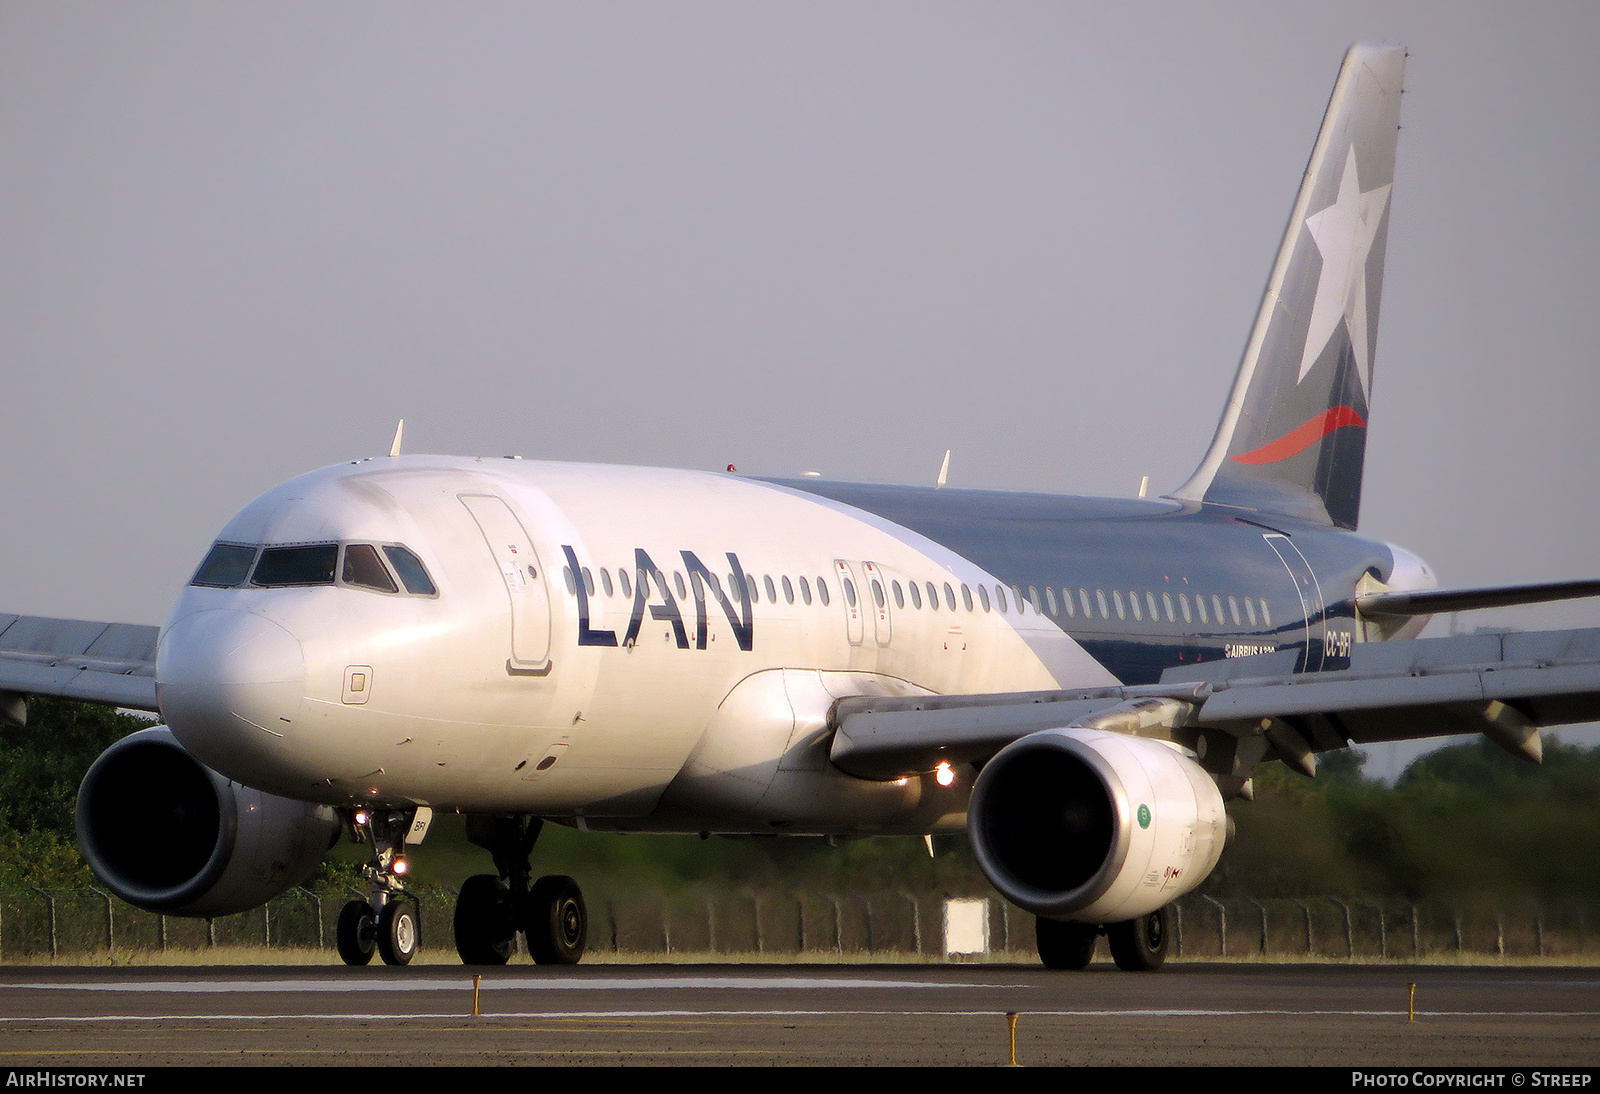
[(492, 909), (386, 922)]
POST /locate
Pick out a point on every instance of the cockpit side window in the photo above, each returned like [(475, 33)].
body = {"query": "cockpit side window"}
[(363, 567), (309, 565), (413, 575), (225, 566)]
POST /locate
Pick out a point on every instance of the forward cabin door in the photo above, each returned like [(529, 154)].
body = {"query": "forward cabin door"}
[(524, 578)]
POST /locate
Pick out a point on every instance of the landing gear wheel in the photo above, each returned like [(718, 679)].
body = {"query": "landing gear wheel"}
[(557, 923), (485, 934), (1065, 945), (1140, 945), (354, 934), (398, 936)]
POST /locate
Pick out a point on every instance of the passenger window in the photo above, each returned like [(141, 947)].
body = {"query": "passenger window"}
[(1216, 604), (1066, 602), (1050, 600), (588, 581), (933, 597), (1000, 598), (282, 566), (1116, 598), (1183, 605), (699, 587), (363, 567), (772, 590), (788, 590), (916, 595), (1134, 602), (605, 582), (822, 591), (750, 588), (1266, 616), (1166, 602), (983, 596), (877, 593), (622, 578), (572, 586), (899, 595), (849, 592), (966, 596), (1100, 598), (1150, 601), (1250, 610), (949, 596), (224, 566), (805, 591), (677, 581), (1200, 606), (735, 589), (1016, 594), (1088, 610), (1233, 607)]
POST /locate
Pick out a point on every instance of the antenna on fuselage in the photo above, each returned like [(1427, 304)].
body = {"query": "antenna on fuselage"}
[(944, 471), (394, 449)]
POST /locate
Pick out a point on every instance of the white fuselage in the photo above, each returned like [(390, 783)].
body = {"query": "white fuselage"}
[(495, 695)]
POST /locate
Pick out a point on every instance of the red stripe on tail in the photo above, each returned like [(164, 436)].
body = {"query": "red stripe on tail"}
[(1298, 440)]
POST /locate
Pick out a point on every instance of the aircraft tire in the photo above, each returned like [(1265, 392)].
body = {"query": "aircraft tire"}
[(1140, 944), (398, 933), (1064, 945), (485, 934), (558, 922), (354, 934)]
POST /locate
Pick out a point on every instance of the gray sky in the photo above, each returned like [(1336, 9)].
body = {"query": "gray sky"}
[(238, 241)]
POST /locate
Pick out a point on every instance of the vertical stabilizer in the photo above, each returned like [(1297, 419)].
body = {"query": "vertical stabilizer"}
[(1293, 436)]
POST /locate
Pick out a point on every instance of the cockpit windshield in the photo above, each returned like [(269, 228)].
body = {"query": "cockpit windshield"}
[(225, 566), (314, 564), (357, 565)]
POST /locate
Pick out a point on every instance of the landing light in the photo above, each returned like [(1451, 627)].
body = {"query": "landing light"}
[(401, 867), (944, 774), (362, 817)]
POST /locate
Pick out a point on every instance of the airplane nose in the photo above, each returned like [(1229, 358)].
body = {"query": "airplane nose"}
[(230, 684)]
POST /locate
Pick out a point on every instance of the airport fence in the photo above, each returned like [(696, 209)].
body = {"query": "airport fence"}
[(91, 925)]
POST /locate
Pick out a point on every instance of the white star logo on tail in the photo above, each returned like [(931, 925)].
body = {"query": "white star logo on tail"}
[(1344, 233)]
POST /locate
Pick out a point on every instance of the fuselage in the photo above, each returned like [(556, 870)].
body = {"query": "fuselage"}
[(639, 648)]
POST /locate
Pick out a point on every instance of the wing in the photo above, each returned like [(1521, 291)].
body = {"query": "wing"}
[(111, 663), (1237, 712)]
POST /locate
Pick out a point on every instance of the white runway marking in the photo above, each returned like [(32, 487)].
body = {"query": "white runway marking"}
[(776, 983), (681, 1013)]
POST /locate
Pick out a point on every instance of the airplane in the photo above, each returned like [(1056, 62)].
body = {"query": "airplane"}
[(1078, 684)]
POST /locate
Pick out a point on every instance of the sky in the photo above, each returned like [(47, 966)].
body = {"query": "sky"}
[(240, 241)]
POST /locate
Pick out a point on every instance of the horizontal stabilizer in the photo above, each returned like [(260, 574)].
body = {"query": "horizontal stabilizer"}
[(1434, 601)]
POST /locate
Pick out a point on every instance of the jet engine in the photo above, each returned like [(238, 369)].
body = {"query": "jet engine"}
[(1094, 827), (167, 834)]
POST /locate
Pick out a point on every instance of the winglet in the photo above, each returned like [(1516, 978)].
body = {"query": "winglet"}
[(944, 471), (394, 449)]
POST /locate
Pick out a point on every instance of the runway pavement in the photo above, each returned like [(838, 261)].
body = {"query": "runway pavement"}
[(773, 1014)]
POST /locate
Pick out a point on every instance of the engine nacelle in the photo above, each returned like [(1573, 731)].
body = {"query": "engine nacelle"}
[(1094, 827), (167, 834)]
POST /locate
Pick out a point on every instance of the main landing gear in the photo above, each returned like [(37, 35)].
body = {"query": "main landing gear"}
[(494, 908), (1137, 945), (386, 922)]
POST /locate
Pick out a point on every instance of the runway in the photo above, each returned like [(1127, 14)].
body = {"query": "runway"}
[(1187, 1014)]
